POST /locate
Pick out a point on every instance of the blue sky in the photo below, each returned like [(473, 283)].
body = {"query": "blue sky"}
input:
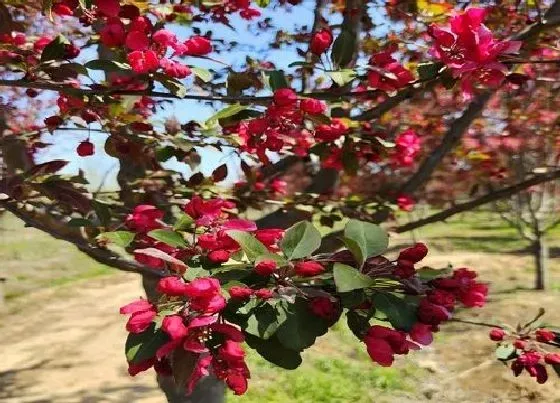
[(252, 43)]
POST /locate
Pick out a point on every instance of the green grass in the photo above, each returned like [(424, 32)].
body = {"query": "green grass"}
[(337, 369)]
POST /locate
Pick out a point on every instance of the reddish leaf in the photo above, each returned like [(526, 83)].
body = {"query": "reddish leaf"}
[(173, 263), (220, 173)]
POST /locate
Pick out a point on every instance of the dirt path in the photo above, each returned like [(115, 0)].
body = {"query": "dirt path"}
[(66, 345)]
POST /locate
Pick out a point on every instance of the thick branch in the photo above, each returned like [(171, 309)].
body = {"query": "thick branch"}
[(490, 197), (450, 140), (59, 230)]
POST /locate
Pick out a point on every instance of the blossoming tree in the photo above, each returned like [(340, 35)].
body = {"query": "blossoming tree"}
[(389, 93)]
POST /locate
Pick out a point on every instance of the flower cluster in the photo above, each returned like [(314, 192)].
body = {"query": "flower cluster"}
[(386, 73), (525, 349), (469, 49), (202, 315)]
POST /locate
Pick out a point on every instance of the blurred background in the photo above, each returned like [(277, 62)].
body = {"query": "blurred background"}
[(63, 340)]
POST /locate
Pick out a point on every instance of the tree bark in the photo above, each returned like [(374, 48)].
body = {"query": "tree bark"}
[(540, 252)]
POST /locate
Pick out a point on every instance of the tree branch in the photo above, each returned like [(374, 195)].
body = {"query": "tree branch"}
[(490, 197), (59, 230)]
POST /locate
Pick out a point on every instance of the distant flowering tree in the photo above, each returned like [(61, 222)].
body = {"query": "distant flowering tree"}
[(378, 123)]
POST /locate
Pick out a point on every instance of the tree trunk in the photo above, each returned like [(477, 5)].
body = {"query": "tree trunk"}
[(208, 390), (540, 252)]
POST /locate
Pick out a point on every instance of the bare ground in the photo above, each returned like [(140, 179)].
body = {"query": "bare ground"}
[(66, 344)]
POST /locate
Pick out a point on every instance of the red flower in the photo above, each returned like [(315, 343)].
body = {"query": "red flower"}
[(109, 8), (142, 314), (197, 46), (269, 237), (469, 49), (264, 293), (414, 253), (164, 37), (324, 307), (144, 218), (529, 361), (85, 149), (240, 292), (143, 61), (62, 10), (421, 333), (309, 268), (173, 325), (285, 97), (172, 286), (321, 41), (136, 368), (432, 314), (312, 106), (137, 40), (206, 212), (204, 294), (405, 202), (266, 267), (52, 122), (175, 69), (219, 256), (545, 335), (113, 34), (497, 334), (552, 358)]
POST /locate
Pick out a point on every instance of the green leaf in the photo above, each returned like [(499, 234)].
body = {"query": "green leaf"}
[(184, 223), (107, 65), (301, 327), (348, 278), (120, 238), (168, 237), (358, 323), (195, 272), (428, 71), (273, 351), (277, 80), (428, 273), (252, 247), (300, 63), (262, 3), (142, 346), (204, 74), (173, 85), (55, 50), (342, 77), (401, 314), (265, 320), (300, 240), (556, 368), (102, 211), (505, 352), (227, 112), (369, 238), (343, 49)]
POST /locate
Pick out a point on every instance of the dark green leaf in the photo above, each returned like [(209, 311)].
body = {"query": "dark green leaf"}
[(358, 323), (265, 320), (252, 247), (277, 80), (301, 327), (55, 50), (428, 71), (505, 352), (173, 85), (343, 49), (300, 240), (203, 74), (342, 77), (428, 273), (370, 238), (107, 65), (102, 211), (195, 272), (350, 161), (273, 351), (401, 314), (143, 346), (348, 278), (184, 223), (120, 238), (262, 3), (168, 237)]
